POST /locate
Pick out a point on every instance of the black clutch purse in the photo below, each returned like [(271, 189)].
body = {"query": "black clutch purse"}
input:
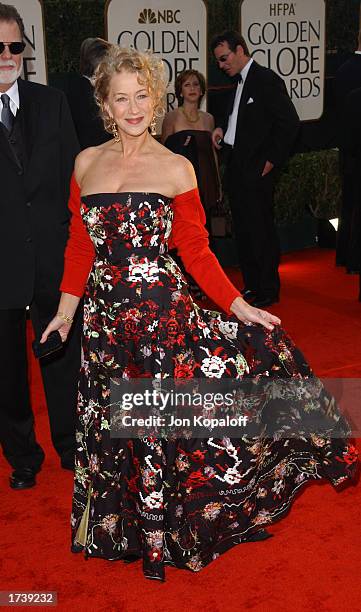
[(51, 345)]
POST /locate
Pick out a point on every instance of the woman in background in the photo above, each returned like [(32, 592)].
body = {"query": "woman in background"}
[(187, 130)]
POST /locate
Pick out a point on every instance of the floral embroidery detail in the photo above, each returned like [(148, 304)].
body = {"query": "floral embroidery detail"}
[(212, 510), (109, 523), (213, 366)]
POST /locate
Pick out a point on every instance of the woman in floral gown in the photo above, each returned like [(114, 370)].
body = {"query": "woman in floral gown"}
[(168, 500)]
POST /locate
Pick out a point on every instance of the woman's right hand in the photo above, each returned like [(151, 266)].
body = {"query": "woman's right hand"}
[(217, 136), (63, 318), (56, 324)]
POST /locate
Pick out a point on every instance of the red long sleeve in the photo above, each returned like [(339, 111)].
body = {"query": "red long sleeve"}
[(190, 238), (79, 252)]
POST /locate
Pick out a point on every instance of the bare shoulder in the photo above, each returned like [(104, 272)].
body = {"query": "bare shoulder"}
[(84, 160), (182, 173), (208, 120)]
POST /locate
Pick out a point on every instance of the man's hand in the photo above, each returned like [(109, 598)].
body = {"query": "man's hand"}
[(267, 168), (217, 137)]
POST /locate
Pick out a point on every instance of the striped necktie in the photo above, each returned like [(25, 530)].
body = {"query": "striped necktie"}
[(7, 118)]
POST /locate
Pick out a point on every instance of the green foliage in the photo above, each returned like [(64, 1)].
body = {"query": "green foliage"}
[(222, 15), (342, 24), (309, 181), (67, 23)]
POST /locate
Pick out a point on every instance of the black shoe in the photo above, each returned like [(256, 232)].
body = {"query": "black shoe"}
[(264, 302), (23, 478), (260, 535)]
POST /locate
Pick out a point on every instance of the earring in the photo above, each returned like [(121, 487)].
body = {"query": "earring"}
[(114, 129), (153, 126)]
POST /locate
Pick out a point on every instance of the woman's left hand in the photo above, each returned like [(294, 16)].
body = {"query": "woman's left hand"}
[(249, 315)]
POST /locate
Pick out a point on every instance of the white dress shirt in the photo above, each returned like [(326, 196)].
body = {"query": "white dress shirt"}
[(232, 120), (13, 93)]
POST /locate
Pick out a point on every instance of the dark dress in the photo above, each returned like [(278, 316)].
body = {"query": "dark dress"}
[(196, 145), (179, 501)]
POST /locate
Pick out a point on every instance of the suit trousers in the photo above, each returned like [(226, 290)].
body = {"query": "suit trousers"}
[(251, 203), (60, 377), (349, 234)]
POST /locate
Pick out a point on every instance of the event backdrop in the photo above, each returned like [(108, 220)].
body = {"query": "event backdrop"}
[(289, 37), (177, 33), (68, 22), (34, 63)]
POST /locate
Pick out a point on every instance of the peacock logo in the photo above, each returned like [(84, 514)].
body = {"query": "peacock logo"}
[(147, 16)]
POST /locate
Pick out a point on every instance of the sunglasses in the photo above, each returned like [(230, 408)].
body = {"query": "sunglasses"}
[(15, 48), (223, 58)]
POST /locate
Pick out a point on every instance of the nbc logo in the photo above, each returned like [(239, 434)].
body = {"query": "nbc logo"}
[(147, 16)]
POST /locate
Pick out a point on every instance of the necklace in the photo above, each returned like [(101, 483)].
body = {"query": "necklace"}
[(188, 117)]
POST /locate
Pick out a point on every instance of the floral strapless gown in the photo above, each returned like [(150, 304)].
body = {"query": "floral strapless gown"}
[(179, 501)]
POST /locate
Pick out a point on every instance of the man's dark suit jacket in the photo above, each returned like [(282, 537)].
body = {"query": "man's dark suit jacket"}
[(351, 147), (347, 78), (267, 124), (351, 129), (85, 112), (34, 216)]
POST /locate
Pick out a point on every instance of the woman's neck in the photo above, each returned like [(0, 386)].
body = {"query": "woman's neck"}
[(190, 111), (133, 146), (191, 108)]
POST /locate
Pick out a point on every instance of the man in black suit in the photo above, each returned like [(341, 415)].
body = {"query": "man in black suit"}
[(80, 93), (347, 79), (261, 128), (350, 141), (37, 149)]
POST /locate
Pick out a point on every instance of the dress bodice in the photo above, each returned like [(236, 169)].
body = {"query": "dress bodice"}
[(115, 230), (127, 223)]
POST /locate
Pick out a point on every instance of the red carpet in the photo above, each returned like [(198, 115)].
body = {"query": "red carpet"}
[(312, 563)]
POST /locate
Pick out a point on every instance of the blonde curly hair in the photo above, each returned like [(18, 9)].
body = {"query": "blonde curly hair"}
[(150, 71)]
